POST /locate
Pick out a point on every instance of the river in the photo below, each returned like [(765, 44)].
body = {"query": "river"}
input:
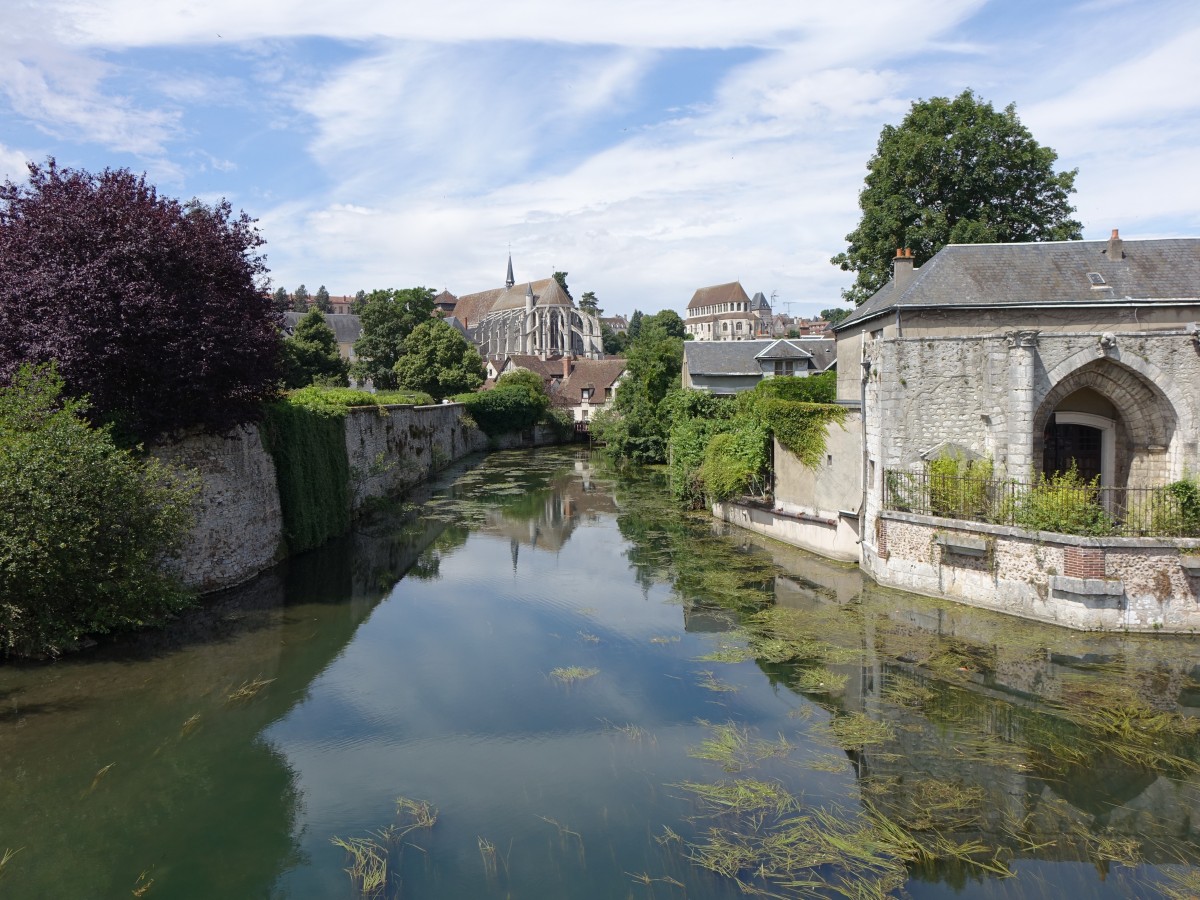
[(539, 679)]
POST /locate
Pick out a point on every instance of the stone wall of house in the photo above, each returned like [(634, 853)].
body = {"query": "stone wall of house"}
[(984, 392), (1134, 584), (239, 526)]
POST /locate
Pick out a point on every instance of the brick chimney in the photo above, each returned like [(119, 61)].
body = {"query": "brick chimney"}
[(1113, 250), (902, 269), (566, 361)]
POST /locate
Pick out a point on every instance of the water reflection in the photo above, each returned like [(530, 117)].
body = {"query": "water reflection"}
[(413, 658)]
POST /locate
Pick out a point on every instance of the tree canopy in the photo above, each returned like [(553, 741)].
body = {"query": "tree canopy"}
[(638, 428), (300, 299), (954, 171), (439, 360), (311, 353), (321, 300), (155, 309), (280, 300), (835, 314), (588, 303), (388, 318)]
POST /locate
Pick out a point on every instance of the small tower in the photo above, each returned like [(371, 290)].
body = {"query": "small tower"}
[(509, 281)]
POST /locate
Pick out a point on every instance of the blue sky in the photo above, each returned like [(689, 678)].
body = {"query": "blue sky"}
[(647, 148)]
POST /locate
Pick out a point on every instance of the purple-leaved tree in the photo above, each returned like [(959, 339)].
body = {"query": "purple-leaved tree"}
[(154, 308)]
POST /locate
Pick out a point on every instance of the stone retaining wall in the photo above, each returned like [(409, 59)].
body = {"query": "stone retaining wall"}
[(1134, 584), (239, 527)]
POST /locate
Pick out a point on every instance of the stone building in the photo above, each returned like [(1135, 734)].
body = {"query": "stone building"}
[(1037, 357), (724, 312), (730, 367), (537, 318)]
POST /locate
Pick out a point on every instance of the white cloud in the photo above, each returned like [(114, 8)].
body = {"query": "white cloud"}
[(12, 164)]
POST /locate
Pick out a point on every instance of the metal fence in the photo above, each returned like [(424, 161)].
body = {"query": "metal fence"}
[(1060, 504)]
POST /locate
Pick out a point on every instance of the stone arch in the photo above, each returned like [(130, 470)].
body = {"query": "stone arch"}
[(1147, 419)]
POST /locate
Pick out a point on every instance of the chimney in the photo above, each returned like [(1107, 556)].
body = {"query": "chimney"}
[(1113, 250), (566, 361), (902, 269)]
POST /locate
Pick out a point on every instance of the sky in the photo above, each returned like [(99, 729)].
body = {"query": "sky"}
[(646, 147)]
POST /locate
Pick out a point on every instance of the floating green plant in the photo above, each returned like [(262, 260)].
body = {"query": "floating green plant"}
[(6, 857), (744, 796), (710, 682), (248, 690), (368, 868), (415, 814), (855, 730)]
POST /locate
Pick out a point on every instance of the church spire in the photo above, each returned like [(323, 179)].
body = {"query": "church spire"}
[(509, 281)]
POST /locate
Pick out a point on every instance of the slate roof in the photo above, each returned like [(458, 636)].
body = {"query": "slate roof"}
[(1038, 274), (346, 327), (733, 292), (545, 293), (758, 303), (737, 357)]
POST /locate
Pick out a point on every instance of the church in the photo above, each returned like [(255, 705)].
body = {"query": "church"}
[(538, 319)]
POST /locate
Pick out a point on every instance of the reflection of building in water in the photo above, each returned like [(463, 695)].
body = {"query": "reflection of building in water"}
[(997, 726), (544, 519)]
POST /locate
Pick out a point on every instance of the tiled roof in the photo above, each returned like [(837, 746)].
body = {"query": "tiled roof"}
[(1034, 274), (471, 308), (733, 292), (545, 293), (597, 374), (547, 368)]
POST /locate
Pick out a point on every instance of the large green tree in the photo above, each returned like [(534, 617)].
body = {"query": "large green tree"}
[(388, 318), (954, 172), (280, 300), (311, 353), (300, 299), (835, 314), (439, 360), (321, 300), (589, 304), (638, 428)]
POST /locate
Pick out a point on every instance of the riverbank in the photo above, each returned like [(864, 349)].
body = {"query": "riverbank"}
[(240, 528)]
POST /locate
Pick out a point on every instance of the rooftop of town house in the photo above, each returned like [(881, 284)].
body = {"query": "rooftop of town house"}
[(1042, 274)]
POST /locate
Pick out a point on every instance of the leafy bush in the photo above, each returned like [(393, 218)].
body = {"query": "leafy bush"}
[(1063, 503), (821, 388), (1173, 509), (337, 400), (518, 401), (960, 487), (84, 525), (152, 308)]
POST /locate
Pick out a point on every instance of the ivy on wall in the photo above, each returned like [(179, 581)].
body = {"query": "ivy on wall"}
[(308, 443)]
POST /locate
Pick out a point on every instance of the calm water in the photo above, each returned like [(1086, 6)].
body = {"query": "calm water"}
[(422, 657)]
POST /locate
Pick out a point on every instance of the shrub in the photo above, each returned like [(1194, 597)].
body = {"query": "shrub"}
[(1063, 503), (84, 525), (518, 401), (960, 487), (153, 309)]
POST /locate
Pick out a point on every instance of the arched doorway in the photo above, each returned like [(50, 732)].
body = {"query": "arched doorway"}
[(1110, 422)]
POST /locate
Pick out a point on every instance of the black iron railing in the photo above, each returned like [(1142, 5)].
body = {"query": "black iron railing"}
[(1064, 504)]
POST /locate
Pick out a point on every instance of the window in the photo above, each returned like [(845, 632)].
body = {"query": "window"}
[(784, 367), (583, 415), (585, 394), (739, 326)]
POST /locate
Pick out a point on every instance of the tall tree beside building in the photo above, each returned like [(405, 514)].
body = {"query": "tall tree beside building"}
[(387, 320), (280, 300), (321, 300), (300, 299), (954, 172), (439, 361), (358, 303), (589, 304), (561, 278), (154, 309), (311, 353), (635, 325)]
